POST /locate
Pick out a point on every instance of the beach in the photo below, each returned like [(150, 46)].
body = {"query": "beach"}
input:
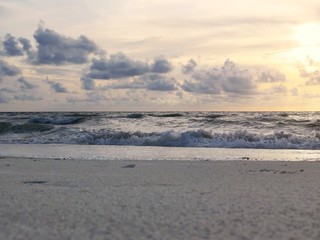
[(92, 199)]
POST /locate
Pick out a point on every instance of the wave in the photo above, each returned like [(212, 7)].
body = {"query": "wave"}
[(214, 116), (135, 115), (197, 138), (201, 138), (6, 127), (61, 120), (164, 115)]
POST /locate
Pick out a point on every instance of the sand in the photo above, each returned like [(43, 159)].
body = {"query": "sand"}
[(71, 199)]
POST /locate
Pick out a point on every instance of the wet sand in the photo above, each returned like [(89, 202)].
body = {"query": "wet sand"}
[(72, 199)]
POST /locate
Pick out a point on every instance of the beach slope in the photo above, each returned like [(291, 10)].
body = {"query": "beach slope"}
[(72, 199)]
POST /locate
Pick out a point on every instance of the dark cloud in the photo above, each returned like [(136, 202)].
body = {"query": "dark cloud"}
[(203, 83), (161, 65), (26, 46), (11, 46), (239, 85), (87, 83), (94, 96), (116, 66), (157, 82), (54, 48), (3, 99), (25, 85), (17, 47), (3, 94), (236, 80), (8, 70), (7, 90), (229, 79), (56, 86), (137, 83), (121, 66), (27, 98), (152, 82), (189, 67)]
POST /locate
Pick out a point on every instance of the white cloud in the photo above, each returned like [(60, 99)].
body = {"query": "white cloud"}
[(228, 79)]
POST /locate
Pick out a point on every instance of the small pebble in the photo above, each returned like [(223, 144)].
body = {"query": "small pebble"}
[(129, 166), (35, 182)]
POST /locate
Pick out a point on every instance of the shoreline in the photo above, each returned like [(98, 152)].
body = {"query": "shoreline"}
[(143, 199), (127, 152)]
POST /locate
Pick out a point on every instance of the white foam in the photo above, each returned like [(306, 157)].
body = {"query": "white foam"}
[(99, 152)]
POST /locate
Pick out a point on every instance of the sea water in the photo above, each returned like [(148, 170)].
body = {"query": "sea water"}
[(162, 135)]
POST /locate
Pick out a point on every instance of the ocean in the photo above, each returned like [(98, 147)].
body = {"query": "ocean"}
[(162, 135)]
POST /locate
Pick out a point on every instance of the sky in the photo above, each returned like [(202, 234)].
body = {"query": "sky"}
[(152, 55)]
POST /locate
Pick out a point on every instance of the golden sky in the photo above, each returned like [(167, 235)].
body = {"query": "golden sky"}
[(67, 55)]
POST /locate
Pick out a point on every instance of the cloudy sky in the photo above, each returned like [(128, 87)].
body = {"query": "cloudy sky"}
[(72, 55)]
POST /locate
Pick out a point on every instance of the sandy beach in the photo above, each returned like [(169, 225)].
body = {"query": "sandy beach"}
[(72, 199)]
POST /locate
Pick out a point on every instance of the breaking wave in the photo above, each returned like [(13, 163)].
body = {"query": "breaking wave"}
[(198, 138)]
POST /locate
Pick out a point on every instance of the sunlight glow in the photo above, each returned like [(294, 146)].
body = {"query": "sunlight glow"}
[(307, 35)]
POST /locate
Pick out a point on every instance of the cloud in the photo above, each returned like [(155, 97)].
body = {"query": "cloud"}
[(11, 46), (229, 79), (157, 82), (3, 99), (25, 85), (279, 89), (121, 66), (236, 80), (271, 76), (152, 82), (87, 83), (27, 98), (189, 67), (313, 77), (26, 46), (220, 22), (204, 82), (116, 66), (54, 48), (8, 70), (56, 86), (161, 65), (294, 92), (308, 95), (7, 90), (94, 96), (310, 70), (239, 85)]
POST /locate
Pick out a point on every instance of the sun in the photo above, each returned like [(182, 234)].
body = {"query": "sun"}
[(307, 43), (307, 35)]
